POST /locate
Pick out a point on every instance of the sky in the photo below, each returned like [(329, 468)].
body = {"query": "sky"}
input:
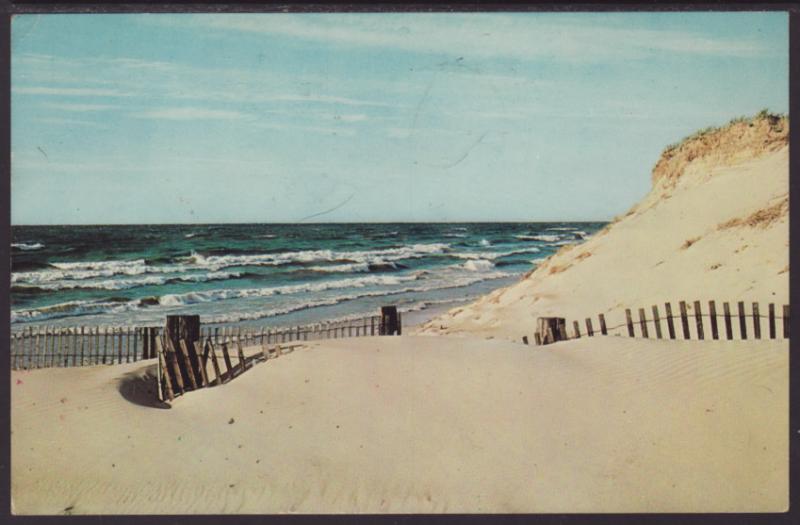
[(182, 118)]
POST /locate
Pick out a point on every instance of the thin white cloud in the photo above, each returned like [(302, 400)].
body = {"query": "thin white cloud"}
[(69, 122), (190, 113), (516, 36), (68, 92), (79, 107), (324, 99), (341, 131)]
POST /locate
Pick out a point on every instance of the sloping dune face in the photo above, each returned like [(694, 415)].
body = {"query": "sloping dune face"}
[(417, 425), (713, 227)]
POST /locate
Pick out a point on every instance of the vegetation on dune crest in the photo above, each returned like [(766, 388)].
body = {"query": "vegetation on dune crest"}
[(740, 139), (775, 121)]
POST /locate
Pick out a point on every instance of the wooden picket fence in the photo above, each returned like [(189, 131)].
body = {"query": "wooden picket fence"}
[(720, 324), (51, 346)]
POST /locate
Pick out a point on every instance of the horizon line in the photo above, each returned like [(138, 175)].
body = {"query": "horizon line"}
[(307, 223)]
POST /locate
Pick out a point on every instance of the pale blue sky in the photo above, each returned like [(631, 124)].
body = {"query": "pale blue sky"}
[(395, 117)]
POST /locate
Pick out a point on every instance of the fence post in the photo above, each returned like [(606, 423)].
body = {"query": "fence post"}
[(551, 329), (756, 322), (771, 308), (589, 331), (629, 322), (37, 352), (786, 321), (187, 328), (657, 321), (577, 329), (670, 320), (643, 323), (684, 320), (742, 321), (389, 321), (726, 309), (602, 319), (712, 313), (698, 317), (164, 371)]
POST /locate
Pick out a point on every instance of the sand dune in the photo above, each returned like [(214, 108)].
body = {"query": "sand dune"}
[(714, 227), (417, 424)]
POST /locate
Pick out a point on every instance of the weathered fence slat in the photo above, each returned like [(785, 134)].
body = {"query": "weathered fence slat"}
[(120, 333), (629, 322), (215, 363), (105, 344), (38, 348), (643, 323), (684, 319), (162, 363), (187, 363), (577, 328), (726, 309), (242, 360), (756, 322), (46, 346), (201, 361), (670, 320), (60, 346), (698, 317), (786, 321), (172, 358), (227, 358), (602, 319), (656, 321), (771, 309), (712, 314), (83, 342), (742, 321), (589, 330)]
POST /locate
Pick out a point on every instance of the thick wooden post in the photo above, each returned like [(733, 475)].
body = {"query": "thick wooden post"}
[(684, 320), (742, 321), (670, 320), (551, 329), (756, 322), (390, 324), (698, 317), (643, 323), (602, 319), (577, 328), (186, 328), (589, 331)]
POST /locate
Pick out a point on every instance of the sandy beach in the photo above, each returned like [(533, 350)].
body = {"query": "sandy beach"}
[(418, 424)]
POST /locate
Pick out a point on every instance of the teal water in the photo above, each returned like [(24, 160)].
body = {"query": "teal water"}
[(265, 274)]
